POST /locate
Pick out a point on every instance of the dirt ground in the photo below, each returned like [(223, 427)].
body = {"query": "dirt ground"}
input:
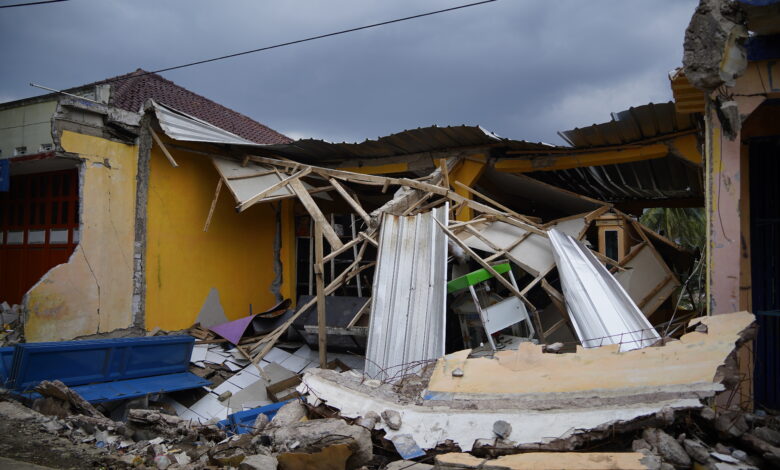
[(24, 437)]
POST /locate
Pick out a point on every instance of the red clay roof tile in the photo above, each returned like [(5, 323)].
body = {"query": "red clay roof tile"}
[(130, 91)]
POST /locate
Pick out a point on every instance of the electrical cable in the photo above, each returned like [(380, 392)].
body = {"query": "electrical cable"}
[(289, 43), (31, 3)]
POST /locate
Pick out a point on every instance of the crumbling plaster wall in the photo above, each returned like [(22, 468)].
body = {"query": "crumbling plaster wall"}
[(727, 204), (92, 292), (183, 263)]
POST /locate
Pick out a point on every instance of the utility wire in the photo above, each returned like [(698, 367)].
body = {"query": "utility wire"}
[(31, 3), (321, 36)]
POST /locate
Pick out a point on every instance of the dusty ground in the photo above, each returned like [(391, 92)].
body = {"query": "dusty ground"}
[(24, 438)]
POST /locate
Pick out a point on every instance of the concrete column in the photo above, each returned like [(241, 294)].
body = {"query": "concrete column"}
[(723, 173)]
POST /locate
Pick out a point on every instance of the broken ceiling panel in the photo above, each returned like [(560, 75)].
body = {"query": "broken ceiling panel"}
[(247, 181), (408, 304), (601, 311), (533, 253), (256, 183), (646, 279)]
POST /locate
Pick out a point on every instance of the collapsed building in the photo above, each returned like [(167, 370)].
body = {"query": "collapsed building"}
[(443, 291)]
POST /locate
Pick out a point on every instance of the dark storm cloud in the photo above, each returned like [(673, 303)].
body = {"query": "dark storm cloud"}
[(522, 68)]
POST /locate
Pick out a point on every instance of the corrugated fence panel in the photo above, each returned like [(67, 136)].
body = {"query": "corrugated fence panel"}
[(408, 305)]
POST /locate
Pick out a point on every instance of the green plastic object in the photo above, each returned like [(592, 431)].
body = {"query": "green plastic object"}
[(473, 278)]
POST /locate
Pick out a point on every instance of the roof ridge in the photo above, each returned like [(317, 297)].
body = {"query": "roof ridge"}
[(130, 88)]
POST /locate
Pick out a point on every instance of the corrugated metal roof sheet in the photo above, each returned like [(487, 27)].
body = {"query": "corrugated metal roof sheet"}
[(408, 304), (181, 126), (661, 178), (632, 125), (415, 141)]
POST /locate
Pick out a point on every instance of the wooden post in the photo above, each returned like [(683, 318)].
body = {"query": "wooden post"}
[(318, 274)]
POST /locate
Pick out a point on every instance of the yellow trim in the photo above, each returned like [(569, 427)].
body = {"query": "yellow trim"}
[(378, 169), (687, 147), (564, 162), (468, 172)]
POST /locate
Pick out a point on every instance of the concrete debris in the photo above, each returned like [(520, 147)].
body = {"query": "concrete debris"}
[(258, 462), (502, 429), (667, 447), (392, 418), (714, 53), (767, 434), (407, 465), (585, 395), (260, 423), (696, 451), (369, 421), (57, 399), (731, 425), (317, 435), (290, 413)]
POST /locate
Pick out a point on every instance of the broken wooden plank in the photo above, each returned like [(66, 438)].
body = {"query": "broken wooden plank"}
[(213, 206), (366, 306), (315, 213), (341, 250), (163, 148), (253, 175), (322, 336), (494, 202), (351, 201), (445, 173)]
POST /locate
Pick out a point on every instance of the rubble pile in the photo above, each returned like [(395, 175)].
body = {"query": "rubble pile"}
[(502, 341), (312, 433)]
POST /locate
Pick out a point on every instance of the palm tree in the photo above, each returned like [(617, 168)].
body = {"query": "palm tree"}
[(688, 228), (685, 226)]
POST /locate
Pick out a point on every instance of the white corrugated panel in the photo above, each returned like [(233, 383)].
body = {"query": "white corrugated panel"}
[(408, 302), (601, 310), (181, 126)]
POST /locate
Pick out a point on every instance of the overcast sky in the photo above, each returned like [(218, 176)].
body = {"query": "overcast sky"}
[(521, 68)]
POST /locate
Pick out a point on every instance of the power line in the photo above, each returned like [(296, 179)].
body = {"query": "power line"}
[(321, 36), (31, 3)]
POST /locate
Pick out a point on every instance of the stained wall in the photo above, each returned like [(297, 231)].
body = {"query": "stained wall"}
[(92, 292)]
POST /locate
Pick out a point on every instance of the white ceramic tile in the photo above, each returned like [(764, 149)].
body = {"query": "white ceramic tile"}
[(207, 406), (198, 353), (295, 363), (226, 386), (276, 355), (243, 379)]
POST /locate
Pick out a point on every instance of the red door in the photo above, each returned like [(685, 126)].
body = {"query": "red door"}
[(38, 228)]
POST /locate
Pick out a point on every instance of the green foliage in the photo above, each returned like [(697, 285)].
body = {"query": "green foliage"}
[(685, 226)]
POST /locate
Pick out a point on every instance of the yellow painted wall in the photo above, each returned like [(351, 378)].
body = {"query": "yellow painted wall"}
[(92, 292), (289, 271), (183, 262)]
